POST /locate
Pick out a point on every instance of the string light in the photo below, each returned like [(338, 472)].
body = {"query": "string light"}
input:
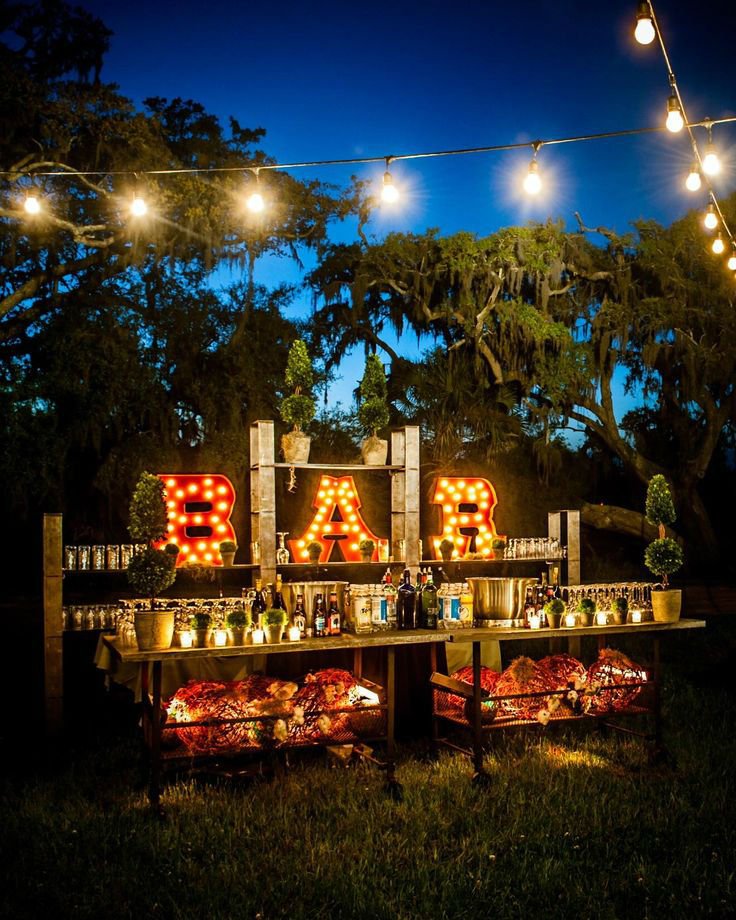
[(718, 245), (732, 259), (693, 181), (255, 202), (644, 32), (711, 218), (389, 192), (675, 122), (711, 161), (138, 206), (32, 205), (532, 180)]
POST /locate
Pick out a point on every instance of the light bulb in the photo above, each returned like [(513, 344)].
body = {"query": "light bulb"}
[(732, 262), (718, 245), (32, 205), (532, 181), (644, 32), (693, 181), (675, 121), (389, 192), (711, 218), (256, 203), (711, 163), (138, 206)]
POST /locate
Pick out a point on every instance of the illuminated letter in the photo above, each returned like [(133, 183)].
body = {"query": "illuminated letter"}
[(467, 511), (199, 508)]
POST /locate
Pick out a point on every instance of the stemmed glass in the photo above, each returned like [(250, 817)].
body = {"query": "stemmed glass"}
[(282, 553)]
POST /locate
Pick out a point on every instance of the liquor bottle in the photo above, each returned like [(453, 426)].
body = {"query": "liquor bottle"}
[(530, 607), (333, 616), (258, 607), (377, 607), (300, 616), (429, 603), (278, 597), (421, 577), (319, 617), (389, 593), (406, 599)]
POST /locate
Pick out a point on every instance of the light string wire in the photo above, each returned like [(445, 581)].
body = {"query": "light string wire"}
[(705, 123)]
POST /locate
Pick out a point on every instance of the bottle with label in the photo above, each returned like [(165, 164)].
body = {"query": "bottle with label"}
[(333, 616), (319, 617), (300, 616), (389, 593), (278, 596), (530, 607), (406, 600), (376, 602), (466, 605), (421, 578), (430, 614), (258, 608)]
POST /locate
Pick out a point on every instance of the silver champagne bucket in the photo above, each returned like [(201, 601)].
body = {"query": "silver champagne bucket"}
[(499, 598), (310, 589)]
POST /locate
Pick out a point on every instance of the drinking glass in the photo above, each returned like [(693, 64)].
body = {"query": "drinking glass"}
[(98, 557), (126, 554), (112, 556), (70, 558), (83, 557)]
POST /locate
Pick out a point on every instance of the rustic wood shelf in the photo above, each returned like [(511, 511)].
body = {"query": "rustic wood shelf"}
[(361, 467)]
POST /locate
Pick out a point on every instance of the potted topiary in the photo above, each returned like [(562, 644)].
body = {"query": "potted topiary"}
[(664, 555), (227, 552), (367, 548), (554, 610), (373, 411), (586, 611), (200, 626), (314, 551), (152, 570), (620, 610), (498, 545), (237, 622), (172, 550), (447, 547), (274, 621), (298, 408)]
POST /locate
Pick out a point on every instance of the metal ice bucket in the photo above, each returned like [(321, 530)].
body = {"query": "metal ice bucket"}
[(310, 589), (499, 598)]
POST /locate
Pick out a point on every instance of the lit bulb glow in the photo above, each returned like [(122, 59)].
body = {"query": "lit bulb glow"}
[(138, 206), (711, 162), (693, 181), (532, 180), (255, 203), (675, 122), (732, 263), (182, 489), (711, 218), (32, 205), (644, 32), (718, 245), (465, 493), (389, 192)]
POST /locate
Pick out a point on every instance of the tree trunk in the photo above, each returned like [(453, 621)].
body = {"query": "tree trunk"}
[(620, 520)]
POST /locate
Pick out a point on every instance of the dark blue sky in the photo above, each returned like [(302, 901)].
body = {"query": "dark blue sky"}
[(329, 79)]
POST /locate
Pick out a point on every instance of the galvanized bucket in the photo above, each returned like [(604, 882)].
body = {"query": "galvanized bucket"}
[(499, 598)]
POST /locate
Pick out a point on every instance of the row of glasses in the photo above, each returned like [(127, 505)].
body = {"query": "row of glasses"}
[(637, 593), (91, 616), (100, 557), (534, 548)]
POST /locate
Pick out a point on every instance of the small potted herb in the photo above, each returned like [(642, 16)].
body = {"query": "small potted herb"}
[(664, 555), (447, 547), (227, 552), (274, 621), (200, 626), (172, 550), (554, 610), (314, 551), (620, 610), (367, 548), (237, 622), (586, 611)]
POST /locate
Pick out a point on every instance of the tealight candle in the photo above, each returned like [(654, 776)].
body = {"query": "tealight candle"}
[(220, 637), (570, 620), (601, 618), (294, 634), (258, 636), (534, 621), (636, 616), (186, 639)]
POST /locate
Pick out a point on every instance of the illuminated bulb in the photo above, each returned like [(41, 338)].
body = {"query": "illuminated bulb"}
[(138, 206), (711, 218), (255, 203), (711, 163), (718, 245), (192, 487), (208, 481), (693, 181), (532, 180), (675, 122), (221, 490), (171, 483), (732, 262), (644, 32), (389, 192), (439, 497), (32, 205)]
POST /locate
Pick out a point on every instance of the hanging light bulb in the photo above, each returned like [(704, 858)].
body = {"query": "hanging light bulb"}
[(644, 32), (138, 206), (711, 218), (32, 205), (675, 122), (389, 192), (718, 245), (532, 180), (711, 162), (693, 181), (255, 202), (732, 259)]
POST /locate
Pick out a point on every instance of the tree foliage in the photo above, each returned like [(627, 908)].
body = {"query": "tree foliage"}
[(373, 407), (148, 517)]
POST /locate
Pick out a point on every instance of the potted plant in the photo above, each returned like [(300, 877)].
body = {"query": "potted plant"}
[(586, 611), (367, 548), (237, 622), (172, 550), (554, 610), (200, 626), (274, 621), (298, 408), (447, 547), (664, 555), (227, 552), (498, 545), (620, 609), (152, 570), (373, 411), (314, 551)]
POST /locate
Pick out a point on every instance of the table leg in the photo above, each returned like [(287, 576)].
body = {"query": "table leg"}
[(434, 742), (480, 777), (393, 787), (358, 662), (154, 791), (659, 753)]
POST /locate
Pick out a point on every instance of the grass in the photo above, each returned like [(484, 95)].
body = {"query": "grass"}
[(574, 826)]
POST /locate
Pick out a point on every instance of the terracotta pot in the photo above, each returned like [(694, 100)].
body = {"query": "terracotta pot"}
[(273, 634), (236, 635), (666, 605), (374, 451), (228, 559), (295, 447), (366, 557), (154, 629), (200, 637)]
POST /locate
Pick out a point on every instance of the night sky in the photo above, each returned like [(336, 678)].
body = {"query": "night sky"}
[(331, 80)]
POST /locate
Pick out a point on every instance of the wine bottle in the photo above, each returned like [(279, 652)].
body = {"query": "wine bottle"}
[(406, 599), (333, 616), (300, 616), (319, 617), (278, 597), (389, 592), (429, 603), (258, 607)]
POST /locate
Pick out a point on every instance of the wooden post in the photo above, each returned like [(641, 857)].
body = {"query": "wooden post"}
[(53, 625), (405, 497), (263, 496), (565, 527)]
